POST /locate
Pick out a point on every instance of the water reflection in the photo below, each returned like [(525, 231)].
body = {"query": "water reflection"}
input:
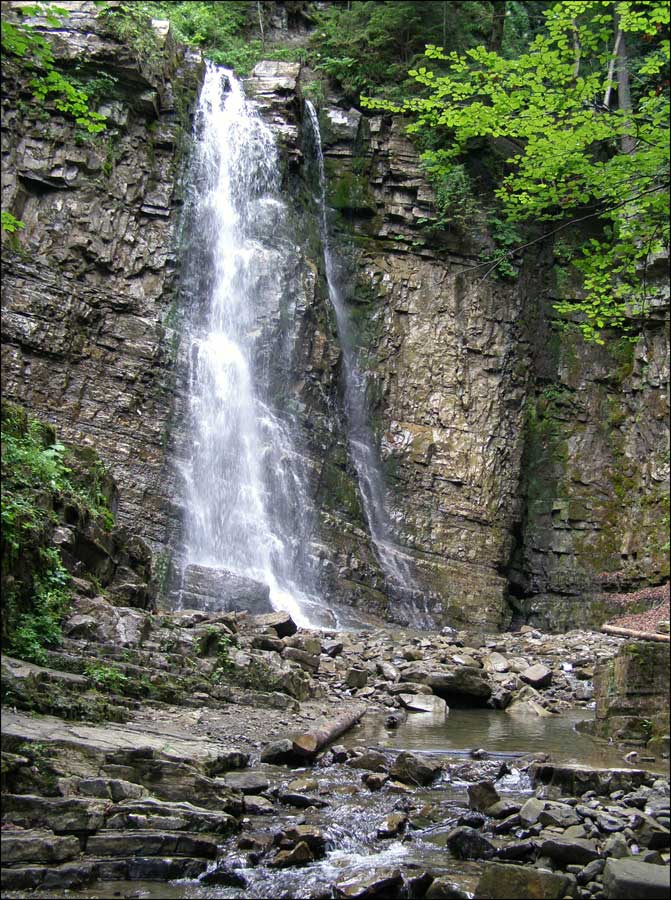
[(496, 732)]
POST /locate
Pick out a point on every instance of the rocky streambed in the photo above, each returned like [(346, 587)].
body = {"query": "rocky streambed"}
[(172, 755)]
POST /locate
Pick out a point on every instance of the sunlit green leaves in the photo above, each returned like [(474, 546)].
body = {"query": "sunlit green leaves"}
[(568, 159)]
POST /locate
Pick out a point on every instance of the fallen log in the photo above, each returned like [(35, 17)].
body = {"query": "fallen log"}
[(308, 744), (629, 632)]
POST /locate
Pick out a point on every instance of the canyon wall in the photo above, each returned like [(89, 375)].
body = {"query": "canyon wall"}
[(527, 472)]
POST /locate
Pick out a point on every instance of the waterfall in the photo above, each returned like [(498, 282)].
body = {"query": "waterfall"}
[(371, 486), (247, 508)]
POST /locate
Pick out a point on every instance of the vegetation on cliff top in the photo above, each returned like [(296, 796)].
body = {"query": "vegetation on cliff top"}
[(583, 118)]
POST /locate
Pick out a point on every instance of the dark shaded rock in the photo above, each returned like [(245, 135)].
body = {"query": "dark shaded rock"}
[(565, 850), (224, 874), (464, 683), (356, 678), (301, 801), (467, 843), (278, 752), (374, 781)]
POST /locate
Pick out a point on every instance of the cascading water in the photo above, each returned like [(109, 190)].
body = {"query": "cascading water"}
[(394, 565), (246, 507)]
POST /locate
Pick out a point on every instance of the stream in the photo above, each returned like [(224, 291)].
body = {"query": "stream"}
[(352, 813)]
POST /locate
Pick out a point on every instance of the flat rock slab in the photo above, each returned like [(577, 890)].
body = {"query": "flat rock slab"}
[(37, 846), (629, 879), (574, 780), (100, 742), (150, 843)]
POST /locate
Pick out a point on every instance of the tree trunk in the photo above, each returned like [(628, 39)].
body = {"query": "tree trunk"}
[(628, 142), (498, 25), (642, 635), (311, 742)]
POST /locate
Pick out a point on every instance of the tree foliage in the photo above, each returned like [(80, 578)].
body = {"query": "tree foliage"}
[(584, 115), (25, 44)]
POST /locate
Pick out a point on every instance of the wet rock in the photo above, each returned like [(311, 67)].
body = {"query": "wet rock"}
[(379, 885), (503, 809), (444, 889), (224, 874), (564, 850), (482, 795), (629, 879), (393, 825), (373, 761), (300, 855), (424, 703), (575, 780), (537, 676), (472, 819), (412, 769), (258, 806), (308, 834), (650, 833), (374, 781), (301, 801), (531, 810), (467, 843), (503, 881), (332, 648), (526, 705), (65, 875)]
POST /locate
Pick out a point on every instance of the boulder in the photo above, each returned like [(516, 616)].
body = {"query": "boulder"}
[(496, 662), (467, 843), (482, 795), (537, 675), (444, 889), (503, 881), (567, 851), (356, 678), (218, 590), (466, 682), (246, 782), (278, 752), (280, 621), (412, 769), (424, 703), (393, 825), (300, 855), (372, 760), (629, 879)]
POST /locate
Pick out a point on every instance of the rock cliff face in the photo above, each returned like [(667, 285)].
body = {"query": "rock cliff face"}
[(88, 288), (521, 466)]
